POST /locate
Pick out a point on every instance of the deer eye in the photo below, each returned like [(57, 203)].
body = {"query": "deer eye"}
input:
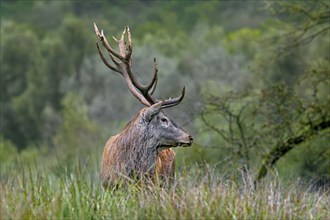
[(164, 120)]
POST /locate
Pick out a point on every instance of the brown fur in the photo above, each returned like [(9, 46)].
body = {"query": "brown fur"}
[(165, 165), (134, 154)]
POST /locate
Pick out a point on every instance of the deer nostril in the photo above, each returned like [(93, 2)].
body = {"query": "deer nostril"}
[(191, 138)]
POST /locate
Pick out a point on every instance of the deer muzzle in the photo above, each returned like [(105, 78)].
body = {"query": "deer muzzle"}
[(186, 142)]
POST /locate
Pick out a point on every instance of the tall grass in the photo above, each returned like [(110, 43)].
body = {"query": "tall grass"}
[(198, 193)]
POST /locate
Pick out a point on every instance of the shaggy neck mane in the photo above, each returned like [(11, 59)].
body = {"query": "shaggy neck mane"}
[(136, 147)]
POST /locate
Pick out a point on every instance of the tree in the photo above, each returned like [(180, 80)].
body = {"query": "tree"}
[(21, 84), (77, 131), (311, 21), (285, 111), (78, 43)]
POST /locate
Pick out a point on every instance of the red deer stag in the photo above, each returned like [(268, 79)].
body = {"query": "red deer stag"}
[(143, 148)]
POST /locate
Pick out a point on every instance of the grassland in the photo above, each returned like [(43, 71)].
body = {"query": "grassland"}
[(75, 192)]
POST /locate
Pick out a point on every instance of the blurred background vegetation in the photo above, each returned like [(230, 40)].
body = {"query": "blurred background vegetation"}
[(256, 75)]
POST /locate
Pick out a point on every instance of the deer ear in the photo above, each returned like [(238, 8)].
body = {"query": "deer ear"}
[(152, 111)]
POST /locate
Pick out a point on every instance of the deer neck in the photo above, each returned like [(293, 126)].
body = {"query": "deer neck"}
[(140, 149)]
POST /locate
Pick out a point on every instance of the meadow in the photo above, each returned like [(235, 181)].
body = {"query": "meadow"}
[(257, 102), (73, 191)]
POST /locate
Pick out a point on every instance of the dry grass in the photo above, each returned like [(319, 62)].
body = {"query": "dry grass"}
[(200, 193)]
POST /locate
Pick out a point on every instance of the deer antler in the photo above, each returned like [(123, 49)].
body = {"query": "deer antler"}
[(123, 65)]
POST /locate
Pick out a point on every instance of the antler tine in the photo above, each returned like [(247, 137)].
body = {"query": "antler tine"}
[(144, 90), (105, 61), (153, 83), (121, 44), (137, 95), (173, 102), (149, 89), (106, 44), (153, 88), (130, 44)]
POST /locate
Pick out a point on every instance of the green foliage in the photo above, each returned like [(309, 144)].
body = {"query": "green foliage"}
[(77, 131), (78, 41), (168, 44), (257, 79), (316, 163), (21, 94), (55, 67), (244, 41), (10, 8), (292, 104)]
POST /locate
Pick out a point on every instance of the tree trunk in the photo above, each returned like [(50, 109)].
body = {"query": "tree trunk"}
[(281, 149)]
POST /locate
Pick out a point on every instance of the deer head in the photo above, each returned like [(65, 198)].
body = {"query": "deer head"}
[(165, 131), (141, 144)]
